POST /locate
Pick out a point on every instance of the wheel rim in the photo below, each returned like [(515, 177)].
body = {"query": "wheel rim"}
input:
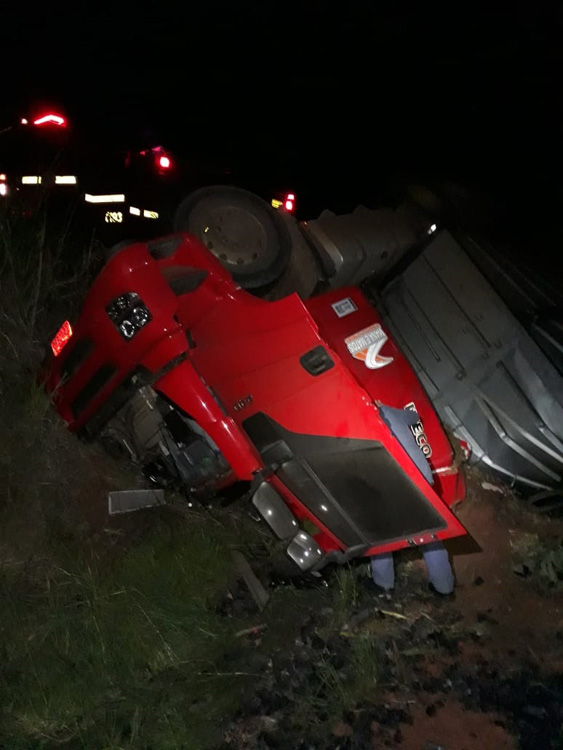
[(235, 237)]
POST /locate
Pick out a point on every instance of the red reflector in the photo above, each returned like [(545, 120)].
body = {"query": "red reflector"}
[(465, 449), (63, 335), (164, 162), (288, 205)]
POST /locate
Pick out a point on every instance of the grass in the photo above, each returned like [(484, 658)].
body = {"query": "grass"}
[(124, 656), (358, 680), (344, 594), (108, 640), (345, 673), (335, 690)]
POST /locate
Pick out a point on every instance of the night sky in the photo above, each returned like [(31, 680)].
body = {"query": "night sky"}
[(345, 95)]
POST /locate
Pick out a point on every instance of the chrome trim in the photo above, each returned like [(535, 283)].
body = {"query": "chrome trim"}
[(304, 551), (274, 511)]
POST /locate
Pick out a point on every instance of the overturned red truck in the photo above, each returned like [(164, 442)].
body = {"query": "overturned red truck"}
[(308, 407)]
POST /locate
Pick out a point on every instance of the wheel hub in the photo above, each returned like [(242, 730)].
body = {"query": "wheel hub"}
[(234, 236)]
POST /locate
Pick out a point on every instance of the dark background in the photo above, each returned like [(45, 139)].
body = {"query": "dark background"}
[(345, 98)]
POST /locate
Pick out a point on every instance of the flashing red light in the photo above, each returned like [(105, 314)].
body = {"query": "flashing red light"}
[(50, 118), (289, 202), (61, 338), (164, 162)]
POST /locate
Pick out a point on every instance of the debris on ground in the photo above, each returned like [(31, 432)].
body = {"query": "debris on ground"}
[(254, 630), (256, 588), (127, 501), (490, 487)]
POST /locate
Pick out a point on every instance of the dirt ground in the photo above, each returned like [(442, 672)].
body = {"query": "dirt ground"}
[(480, 670), (509, 654)]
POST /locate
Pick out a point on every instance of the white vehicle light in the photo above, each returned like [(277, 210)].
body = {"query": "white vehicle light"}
[(110, 198), (304, 550)]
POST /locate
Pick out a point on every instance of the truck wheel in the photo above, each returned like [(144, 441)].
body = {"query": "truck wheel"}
[(242, 231)]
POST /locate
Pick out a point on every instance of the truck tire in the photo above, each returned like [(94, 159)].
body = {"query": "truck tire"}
[(242, 231)]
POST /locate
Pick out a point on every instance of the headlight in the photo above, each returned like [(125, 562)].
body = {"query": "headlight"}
[(140, 316), (304, 551), (129, 314)]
